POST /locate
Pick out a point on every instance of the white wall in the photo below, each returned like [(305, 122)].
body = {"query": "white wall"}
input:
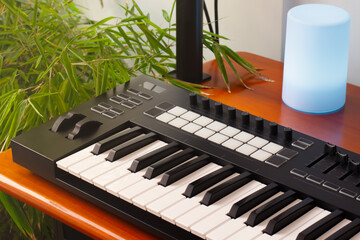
[(256, 26)]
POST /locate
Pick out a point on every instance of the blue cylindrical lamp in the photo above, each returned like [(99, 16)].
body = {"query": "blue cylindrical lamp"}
[(316, 58)]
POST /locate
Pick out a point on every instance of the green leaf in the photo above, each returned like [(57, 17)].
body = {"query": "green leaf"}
[(18, 215), (221, 65), (166, 15), (69, 71)]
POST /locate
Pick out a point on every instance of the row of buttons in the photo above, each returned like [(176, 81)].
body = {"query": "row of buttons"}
[(140, 94), (217, 132), (329, 185), (107, 110)]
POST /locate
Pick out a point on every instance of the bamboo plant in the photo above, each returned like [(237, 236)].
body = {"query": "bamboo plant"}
[(52, 59)]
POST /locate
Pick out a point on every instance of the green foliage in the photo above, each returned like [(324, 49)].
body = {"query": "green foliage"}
[(52, 59)]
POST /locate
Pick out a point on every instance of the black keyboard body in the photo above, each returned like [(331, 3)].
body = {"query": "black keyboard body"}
[(306, 173)]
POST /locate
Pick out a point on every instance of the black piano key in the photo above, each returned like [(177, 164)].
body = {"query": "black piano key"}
[(321, 226), (130, 146), (116, 139), (347, 231), (153, 156), (253, 200), (287, 217), (269, 209), (184, 170), (225, 188), (208, 180), (167, 163)]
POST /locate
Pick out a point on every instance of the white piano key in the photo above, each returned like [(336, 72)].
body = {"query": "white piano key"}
[(91, 173), (185, 205), (295, 225), (334, 229), (125, 162), (200, 212), (216, 126), (356, 237), (121, 183), (230, 131), (248, 232), (170, 198), (154, 193), (213, 220), (74, 158), (85, 164), (307, 224)]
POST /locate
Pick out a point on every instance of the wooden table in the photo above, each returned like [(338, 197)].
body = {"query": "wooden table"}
[(341, 128)]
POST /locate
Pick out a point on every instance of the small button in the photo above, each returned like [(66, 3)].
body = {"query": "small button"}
[(148, 85), (244, 136), (165, 106), (178, 122), (331, 186), (261, 155), (204, 133), (276, 161), (105, 105), (230, 131), (135, 101), (98, 109), (330, 148), (177, 111), (128, 105), (158, 89), (203, 121), (145, 96), (165, 117), (117, 111), (191, 127), (232, 113), (116, 100), (348, 193), (300, 145), (190, 116), (273, 128), (232, 144), (193, 99), (272, 147), (246, 149), (205, 103), (288, 134), (216, 126), (298, 173), (109, 114), (154, 112), (314, 179), (133, 91), (258, 142), (123, 96), (245, 118), (287, 153), (306, 141), (218, 138)]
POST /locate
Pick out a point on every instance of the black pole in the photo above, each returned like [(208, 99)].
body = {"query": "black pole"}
[(189, 32)]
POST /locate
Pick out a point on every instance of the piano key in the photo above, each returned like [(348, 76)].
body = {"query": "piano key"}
[(168, 163), (215, 219), (130, 146), (202, 211), (157, 192), (260, 214), (116, 139), (226, 188), (254, 199), (208, 180), (299, 229), (355, 237), (184, 170), (248, 232), (334, 229), (185, 205), (346, 232), (121, 183), (106, 166), (74, 158), (85, 164), (320, 227), (166, 200), (102, 180), (284, 219), (154, 156)]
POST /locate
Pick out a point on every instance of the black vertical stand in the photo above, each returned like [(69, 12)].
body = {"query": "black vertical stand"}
[(189, 46)]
